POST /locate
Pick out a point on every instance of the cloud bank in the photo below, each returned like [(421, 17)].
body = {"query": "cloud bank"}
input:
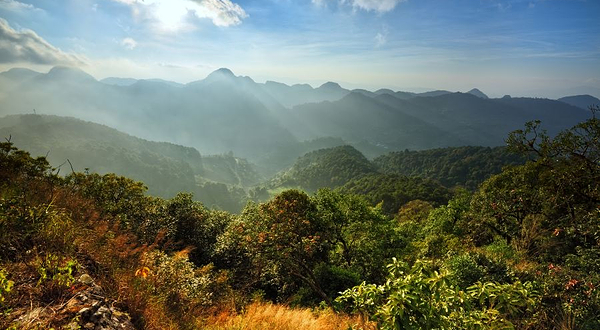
[(26, 46)]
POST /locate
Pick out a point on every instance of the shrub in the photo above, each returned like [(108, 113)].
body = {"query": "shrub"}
[(176, 282), (422, 297), (5, 286)]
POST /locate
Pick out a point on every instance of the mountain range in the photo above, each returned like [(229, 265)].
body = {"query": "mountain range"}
[(269, 123)]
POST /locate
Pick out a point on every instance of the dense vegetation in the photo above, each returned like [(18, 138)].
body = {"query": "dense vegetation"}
[(331, 167), (520, 252), (456, 166), (394, 191)]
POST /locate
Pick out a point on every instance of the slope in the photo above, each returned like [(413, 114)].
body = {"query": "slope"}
[(458, 166), (165, 168), (358, 118)]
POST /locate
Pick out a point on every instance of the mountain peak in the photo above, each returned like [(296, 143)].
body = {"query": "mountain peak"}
[(478, 93), (220, 75), (223, 71), (67, 72), (19, 73), (330, 85)]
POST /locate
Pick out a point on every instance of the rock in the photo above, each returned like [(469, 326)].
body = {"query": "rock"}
[(86, 279), (94, 311), (85, 311)]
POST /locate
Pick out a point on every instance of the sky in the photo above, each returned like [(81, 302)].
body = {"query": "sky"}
[(540, 48)]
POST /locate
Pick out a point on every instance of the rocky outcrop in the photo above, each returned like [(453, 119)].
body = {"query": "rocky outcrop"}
[(92, 311)]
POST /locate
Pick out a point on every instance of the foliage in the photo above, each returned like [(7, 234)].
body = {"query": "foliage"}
[(466, 262), (177, 282), (547, 205), (285, 236), (362, 238), (56, 269), (6, 286), (393, 191), (196, 226), (422, 297), (326, 168), (455, 166)]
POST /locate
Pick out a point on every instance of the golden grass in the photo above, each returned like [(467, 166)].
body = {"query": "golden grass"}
[(267, 316)]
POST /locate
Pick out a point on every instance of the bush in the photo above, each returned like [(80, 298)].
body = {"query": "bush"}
[(5, 286), (423, 297)]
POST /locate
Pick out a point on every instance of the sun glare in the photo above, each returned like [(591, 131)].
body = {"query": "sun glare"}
[(171, 13)]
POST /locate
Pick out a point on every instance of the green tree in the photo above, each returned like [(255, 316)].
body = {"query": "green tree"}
[(286, 236), (554, 195)]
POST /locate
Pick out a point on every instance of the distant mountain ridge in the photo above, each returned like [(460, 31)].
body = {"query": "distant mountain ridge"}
[(225, 112), (580, 101)]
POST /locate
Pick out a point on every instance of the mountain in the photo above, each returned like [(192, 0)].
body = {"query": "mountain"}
[(18, 74), (456, 166), (267, 123), (165, 168), (115, 81), (358, 118), (332, 167), (168, 82), (580, 101), (554, 115), (345, 168), (291, 96), (119, 81), (486, 122), (218, 114), (478, 93), (433, 93)]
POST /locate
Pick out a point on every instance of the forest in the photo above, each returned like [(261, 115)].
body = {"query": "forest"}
[(412, 240)]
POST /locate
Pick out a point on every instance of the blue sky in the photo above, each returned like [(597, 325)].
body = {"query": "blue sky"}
[(517, 47)]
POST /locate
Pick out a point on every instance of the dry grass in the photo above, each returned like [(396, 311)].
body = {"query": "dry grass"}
[(267, 316)]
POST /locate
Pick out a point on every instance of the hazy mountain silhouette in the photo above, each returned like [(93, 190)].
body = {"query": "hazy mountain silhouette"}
[(357, 118), (119, 81), (478, 93), (217, 114), (290, 96), (115, 81), (267, 122), (581, 101)]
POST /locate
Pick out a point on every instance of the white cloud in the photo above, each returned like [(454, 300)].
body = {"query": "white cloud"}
[(221, 12), (172, 15), (95, 7), (129, 43), (379, 6), (17, 6), (26, 46), (380, 40), (376, 5)]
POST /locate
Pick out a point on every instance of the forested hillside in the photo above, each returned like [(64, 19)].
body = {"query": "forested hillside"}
[(166, 168), (519, 252), (331, 167), (458, 166)]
